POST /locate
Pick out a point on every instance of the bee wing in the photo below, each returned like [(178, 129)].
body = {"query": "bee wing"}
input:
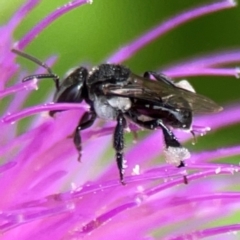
[(159, 92), (198, 103)]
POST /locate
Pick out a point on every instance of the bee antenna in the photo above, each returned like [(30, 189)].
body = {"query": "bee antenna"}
[(33, 59), (42, 64)]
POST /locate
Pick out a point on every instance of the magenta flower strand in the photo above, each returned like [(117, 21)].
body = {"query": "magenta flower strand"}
[(128, 51), (45, 107), (18, 87), (48, 20), (47, 194), (207, 65)]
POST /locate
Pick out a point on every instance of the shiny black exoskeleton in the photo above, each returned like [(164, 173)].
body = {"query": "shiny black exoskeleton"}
[(113, 92)]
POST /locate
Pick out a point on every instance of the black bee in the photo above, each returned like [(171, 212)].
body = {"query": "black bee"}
[(113, 92)]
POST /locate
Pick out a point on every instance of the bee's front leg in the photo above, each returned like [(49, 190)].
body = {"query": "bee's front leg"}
[(86, 121)]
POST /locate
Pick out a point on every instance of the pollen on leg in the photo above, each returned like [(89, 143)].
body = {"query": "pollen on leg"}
[(174, 155)]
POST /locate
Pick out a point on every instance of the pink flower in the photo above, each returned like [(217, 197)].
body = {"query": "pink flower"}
[(47, 194)]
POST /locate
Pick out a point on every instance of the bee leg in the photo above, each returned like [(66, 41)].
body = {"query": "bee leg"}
[(159, 77), (176, 153), (86, 121), (169, 137), (171, 142), (40, 76), (118, 144)]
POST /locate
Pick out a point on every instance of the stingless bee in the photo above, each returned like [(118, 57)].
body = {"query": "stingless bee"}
[(113, 92)]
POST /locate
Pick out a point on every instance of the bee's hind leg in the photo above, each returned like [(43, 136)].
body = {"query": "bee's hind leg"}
[(159, 77)]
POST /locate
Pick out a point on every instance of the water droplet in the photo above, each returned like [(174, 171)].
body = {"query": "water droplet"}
[(141, 198), (140, 189), (128, 129), (234, 232), (218, 170), (79, 189), (136, 170), (124, 164), (73, 186), (70, 206)]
